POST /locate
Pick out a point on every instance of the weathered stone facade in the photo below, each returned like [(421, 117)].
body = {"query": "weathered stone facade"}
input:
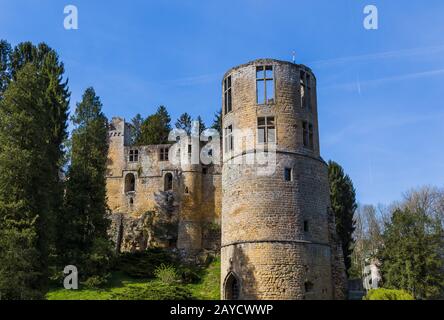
[(272, 222), (278, 236), (181, 216)]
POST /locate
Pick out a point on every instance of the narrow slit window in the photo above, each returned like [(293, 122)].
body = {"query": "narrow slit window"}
[(229, 138), (306, 226), (227, 95), (264, 84), (288, 174)]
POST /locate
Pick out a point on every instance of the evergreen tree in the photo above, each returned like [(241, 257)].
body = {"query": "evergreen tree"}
[(202, 126), (343, 203), (83, 236), (217, 123), (156, 128), (25, 207), (136, 128), (5, 66), (184, 122), (33, 77), (412, 254)]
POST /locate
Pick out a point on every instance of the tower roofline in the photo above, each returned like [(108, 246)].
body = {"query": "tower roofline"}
[(268, 61)]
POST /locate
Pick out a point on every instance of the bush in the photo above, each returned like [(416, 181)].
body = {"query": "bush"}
[(166, 273), (153, 291), (190, 274), (143, 264), (387, 294), (96, 282)]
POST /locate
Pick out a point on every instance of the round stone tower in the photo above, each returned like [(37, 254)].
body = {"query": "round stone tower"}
[(278, 239)]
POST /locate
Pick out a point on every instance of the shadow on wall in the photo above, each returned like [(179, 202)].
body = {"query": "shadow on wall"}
[(240, 282)]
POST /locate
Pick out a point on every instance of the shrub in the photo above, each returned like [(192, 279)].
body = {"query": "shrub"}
[(143, 264), (153, 291), (96, 282), (387, 294), (166, 273), (190, 274)]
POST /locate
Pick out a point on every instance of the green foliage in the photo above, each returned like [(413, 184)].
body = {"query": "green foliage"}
[(387, 294), (136, 128), (184, 122), (208, 287), (412, 254), (166, 273), (82, 229), (343, 203), (121, 286), (5, 66), (155, 129), (143, 264), (217, 122), (32, 114), (96, 282), (202, 126), (154, 291)]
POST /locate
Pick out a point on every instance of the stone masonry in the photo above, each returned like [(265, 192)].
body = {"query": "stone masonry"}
[(271, 220)]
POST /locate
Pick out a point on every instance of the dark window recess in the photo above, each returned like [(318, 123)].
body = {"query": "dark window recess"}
[(306, 227), (232, 288), (164, 154), (306, 91), (288, 174), (168, 182), (264, 84), (266, 129), (308, 135), (228, 138), (134, 155), (227, 95), (190, 149), (205, 170), (308, 286), (130, 183)]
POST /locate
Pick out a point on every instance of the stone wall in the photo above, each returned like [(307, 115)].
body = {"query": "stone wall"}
[(276, 237), (196, 200)]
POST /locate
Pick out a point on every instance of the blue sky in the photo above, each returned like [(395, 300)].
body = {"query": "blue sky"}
[(380, 92)]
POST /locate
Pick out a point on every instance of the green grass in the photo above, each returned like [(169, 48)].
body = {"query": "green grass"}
[(207, 289)]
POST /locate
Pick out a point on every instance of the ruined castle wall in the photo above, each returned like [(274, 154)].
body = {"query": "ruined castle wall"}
[(197, 194)]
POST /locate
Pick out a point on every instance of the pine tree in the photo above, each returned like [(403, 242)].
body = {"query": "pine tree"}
[(156, 128), (343, 203), (202, 126), (136, 128), (83, 239), (184, 122), (32, 79), (5, 66), (217, 123), (25, 207)]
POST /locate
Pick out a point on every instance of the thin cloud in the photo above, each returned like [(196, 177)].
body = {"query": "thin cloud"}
[(380, 55), (382, 81)]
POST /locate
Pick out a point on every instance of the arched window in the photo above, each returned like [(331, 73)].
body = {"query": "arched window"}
[(130, 183), (168, 182), (231, 287)]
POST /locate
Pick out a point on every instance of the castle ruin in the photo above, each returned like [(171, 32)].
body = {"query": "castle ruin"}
[(265, 206)]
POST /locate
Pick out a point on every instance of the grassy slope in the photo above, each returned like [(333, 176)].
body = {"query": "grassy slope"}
[(207, 289)]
